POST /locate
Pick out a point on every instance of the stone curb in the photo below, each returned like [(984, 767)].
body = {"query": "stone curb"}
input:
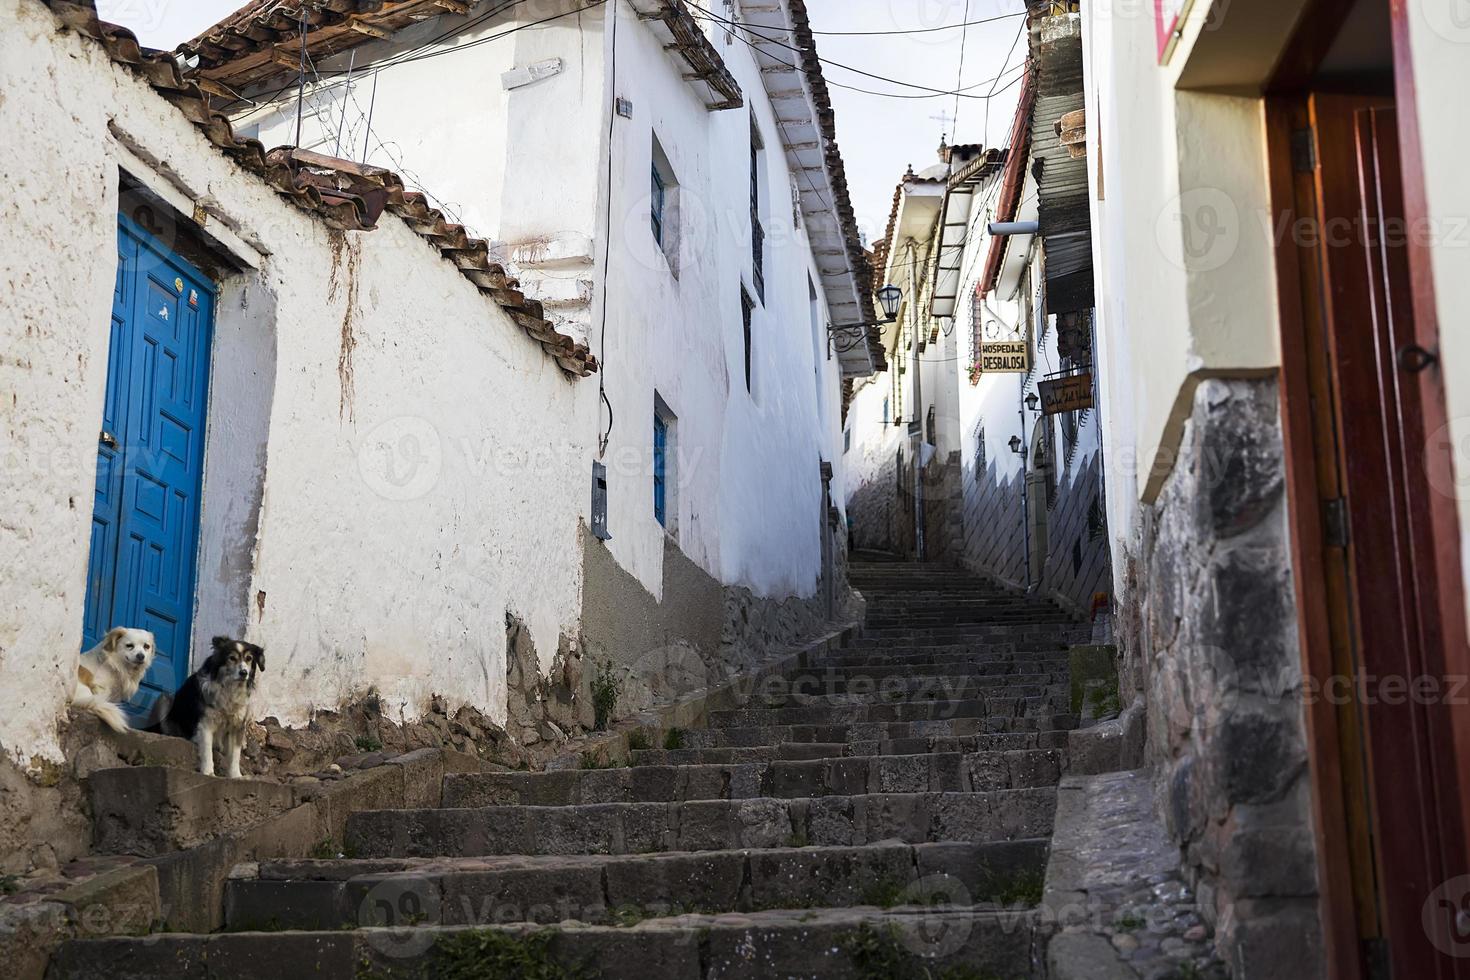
[(611, 748), (184, 890)]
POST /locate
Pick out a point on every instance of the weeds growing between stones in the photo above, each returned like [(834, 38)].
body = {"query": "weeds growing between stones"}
[(605, 691)]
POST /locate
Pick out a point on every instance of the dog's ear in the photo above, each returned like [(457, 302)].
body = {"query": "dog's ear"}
[(258, 652), (109, 642), (219, 650)]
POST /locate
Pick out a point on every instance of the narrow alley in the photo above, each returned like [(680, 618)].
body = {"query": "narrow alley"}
[(703, 489), (880, 809)]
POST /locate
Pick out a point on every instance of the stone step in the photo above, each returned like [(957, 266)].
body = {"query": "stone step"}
[(855, 687), (1004, 742), (716, 738), (622, 890), (882, 665), (848, 776), (974, 639), (966, 622), (987, 706), (957, 604), (979, 648), (841, 944), (1001, 632), (702, 825), (946, 606), (152, 810)]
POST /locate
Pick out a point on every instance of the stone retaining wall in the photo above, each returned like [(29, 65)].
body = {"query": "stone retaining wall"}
[(1209, 639)]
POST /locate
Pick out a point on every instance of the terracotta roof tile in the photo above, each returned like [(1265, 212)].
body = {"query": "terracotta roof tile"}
[(857, 256), (347, 196)]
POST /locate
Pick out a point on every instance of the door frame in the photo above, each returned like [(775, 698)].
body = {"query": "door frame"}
[(150, 242), (1444, 517), (1301, 382)]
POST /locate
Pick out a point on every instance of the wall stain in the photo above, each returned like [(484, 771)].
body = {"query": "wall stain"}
[(353, 249)]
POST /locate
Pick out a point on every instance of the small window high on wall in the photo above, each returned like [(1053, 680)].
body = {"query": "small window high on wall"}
[(663, 205)]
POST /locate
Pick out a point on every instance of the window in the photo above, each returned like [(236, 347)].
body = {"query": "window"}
[(665, 466), (660, 472), (980, 463), (846, 441), (663, 206), (757, 231), (885, 411), (657, 206), (747, 310)]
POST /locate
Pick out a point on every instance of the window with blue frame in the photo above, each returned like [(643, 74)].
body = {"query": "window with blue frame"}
[(660, 449), (657, 205)]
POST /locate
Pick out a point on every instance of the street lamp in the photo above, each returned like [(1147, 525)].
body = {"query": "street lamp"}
[(1016, 445), (1031, 401), (847, 336), (889, 297)]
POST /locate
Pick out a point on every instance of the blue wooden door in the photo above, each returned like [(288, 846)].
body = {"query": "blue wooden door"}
[(150, 455)]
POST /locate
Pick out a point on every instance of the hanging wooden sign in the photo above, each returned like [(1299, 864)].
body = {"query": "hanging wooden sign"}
[(1070, 394), (1004, 357)]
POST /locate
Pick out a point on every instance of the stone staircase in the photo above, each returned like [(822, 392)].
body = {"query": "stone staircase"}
[(885, 812)]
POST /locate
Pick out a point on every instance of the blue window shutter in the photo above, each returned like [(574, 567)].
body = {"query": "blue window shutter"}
[(660, 441)]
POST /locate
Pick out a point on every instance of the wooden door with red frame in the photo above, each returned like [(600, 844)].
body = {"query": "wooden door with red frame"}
[(1402, 694)]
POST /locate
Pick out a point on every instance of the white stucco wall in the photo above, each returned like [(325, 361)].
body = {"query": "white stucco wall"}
[(1182, 247), (393, 466), (534, 170), (749, 490), (1439, 43), (417, 132), (874, 442), (374, 562)]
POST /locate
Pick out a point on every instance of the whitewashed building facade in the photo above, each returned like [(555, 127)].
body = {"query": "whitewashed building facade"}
[(400, 397)]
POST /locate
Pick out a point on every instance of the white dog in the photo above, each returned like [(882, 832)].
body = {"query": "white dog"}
[(110, 672)]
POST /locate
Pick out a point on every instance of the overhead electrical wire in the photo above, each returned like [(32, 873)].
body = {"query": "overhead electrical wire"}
[(960, 75), (920, 30), (1014, 41), (422, 52), (933, 92)]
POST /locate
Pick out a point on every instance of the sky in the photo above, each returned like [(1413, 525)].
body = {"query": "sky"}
[(879, 135)]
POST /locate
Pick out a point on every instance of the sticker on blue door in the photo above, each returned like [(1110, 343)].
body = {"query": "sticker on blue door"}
[(150, 456)]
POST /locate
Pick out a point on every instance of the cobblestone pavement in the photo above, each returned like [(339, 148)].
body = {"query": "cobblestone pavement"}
[(1115, 891)]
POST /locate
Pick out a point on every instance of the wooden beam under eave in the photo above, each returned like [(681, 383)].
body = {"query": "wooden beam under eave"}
[(364, 28), (460, 7), (214, 88), (286, 59)]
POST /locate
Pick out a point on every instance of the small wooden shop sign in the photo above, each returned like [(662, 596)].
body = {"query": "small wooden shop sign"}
[(1068, 394), (1004, 357)]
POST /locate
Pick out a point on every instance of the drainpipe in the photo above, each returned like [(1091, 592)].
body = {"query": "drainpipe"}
[(920, 414), (1025, 481)]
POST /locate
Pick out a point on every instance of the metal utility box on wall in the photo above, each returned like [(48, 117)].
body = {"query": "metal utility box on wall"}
[(599, 502)]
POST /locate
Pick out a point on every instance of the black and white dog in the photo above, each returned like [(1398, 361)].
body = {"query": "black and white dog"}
[(215, 701)]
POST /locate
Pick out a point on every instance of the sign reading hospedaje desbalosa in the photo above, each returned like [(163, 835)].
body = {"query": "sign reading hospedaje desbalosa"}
[(1004, 357)]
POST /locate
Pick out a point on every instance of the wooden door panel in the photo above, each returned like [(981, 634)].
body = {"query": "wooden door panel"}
[(1379, 462), (141, 567)]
